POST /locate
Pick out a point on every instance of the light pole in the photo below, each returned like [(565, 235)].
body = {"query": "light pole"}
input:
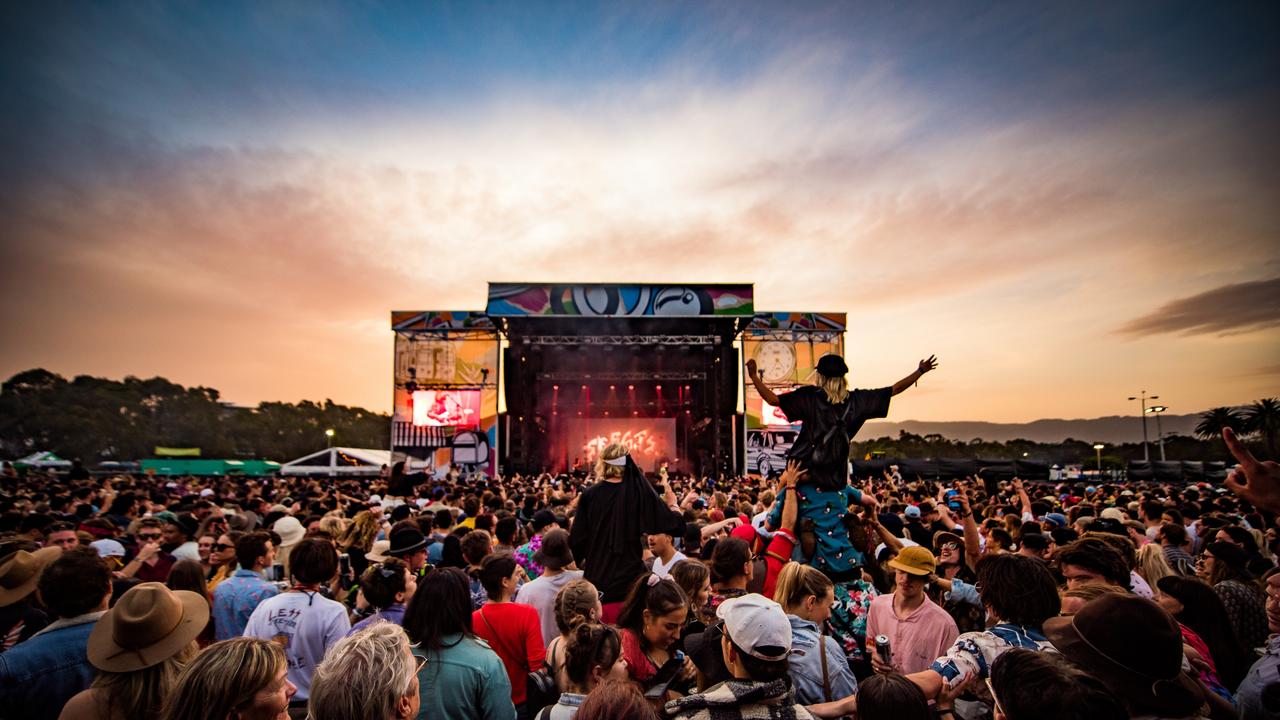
[(1098, 448), (328, 436), (1146, 449), (1157, 409)]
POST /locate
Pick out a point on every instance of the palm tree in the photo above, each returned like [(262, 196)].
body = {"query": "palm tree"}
[(1263, 417), (1213, 421)]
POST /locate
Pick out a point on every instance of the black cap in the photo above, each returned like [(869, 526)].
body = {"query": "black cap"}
[(543, 518), (832, 366)]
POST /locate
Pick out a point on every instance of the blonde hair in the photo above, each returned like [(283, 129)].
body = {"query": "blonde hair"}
[(836, 388), (224, 678), (611, 452), (363, 675), (361, 532), (574, 605), (140, 693), (1152, 564), (798, 581)]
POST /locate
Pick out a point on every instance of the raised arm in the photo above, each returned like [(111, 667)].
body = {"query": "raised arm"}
[(925, 366), (787, 486), (1023, 497), (972, 541), (757, 379)]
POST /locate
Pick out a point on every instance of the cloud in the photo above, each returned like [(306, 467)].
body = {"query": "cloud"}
[(1236, 308)]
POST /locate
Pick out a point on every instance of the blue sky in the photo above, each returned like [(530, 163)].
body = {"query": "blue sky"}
[(1071, 178)]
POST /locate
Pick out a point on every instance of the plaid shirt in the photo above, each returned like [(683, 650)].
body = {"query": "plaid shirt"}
[(740, 699)]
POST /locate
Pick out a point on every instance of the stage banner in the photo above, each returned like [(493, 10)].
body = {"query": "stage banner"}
[(508, 300), (650, 440)]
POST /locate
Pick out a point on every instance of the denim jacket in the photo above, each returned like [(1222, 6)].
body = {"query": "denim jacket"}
[(806, 664), (39, 676)]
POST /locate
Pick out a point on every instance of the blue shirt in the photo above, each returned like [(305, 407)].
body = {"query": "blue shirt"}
[(465, 680), (393, 614), (1259, 694), (826, 508), (805, 664), (235, 599), (39, 676)]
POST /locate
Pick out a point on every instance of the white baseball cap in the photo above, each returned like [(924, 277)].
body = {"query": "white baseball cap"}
[(107, 548), (757, 625)]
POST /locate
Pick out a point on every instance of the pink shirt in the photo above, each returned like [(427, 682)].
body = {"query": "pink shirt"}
[(914, 641)]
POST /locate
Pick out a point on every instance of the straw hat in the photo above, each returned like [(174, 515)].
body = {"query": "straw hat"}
[(148, 625), (20, 572)]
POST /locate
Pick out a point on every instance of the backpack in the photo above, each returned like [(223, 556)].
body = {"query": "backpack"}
[(831, 448)]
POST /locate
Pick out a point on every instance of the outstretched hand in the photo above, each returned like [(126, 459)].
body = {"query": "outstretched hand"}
[(1254, 480), (929, 363), (751, 368), (792, 475)]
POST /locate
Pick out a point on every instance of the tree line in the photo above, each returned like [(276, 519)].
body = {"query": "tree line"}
[(98, 419)]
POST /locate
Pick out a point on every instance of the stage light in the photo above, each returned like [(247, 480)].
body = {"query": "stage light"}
[(555, 387), (686, 387), (606, 413), (584, 387), (658, 388), (631, 387), (635, 412), (613, 387)]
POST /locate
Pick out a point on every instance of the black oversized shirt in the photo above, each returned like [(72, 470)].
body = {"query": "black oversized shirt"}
[(809, 406), (606, 532)]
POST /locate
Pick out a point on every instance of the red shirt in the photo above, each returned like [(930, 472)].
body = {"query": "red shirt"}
[(515, 633)]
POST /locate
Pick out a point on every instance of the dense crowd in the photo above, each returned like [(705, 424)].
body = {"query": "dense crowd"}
[(620, 594)]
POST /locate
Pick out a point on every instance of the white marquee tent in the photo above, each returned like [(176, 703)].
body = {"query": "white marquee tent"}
[(344, 461)]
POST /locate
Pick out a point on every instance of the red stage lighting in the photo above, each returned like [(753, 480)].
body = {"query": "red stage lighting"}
[(658, 388), (611, 387), (555, 387), (584, 387), (631, 387)]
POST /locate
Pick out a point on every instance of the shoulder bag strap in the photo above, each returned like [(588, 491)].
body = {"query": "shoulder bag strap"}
[(826, 678), (524, 660)]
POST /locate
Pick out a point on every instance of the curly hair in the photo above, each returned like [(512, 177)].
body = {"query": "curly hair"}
[(1018, 589)]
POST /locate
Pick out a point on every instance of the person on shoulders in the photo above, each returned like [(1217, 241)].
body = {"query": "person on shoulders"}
[(612, 516)]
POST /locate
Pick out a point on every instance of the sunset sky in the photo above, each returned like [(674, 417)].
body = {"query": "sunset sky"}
[(1066, 202)]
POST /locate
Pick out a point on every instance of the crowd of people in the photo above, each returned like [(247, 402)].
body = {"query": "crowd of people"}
[(621, 594)]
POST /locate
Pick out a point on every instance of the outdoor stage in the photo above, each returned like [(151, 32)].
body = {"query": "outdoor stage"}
[(550, 374)]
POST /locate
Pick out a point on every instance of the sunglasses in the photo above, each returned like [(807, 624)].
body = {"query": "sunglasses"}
[(948, 546), (149, 536), (219, 547)]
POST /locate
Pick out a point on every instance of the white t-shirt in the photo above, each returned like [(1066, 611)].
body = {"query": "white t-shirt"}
[(540, 594), (662, 569), (306, 624)]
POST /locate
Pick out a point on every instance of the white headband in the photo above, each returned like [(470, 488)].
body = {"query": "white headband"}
[(617, 462)]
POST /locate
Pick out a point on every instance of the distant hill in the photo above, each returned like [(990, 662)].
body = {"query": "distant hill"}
[(1114, 429)]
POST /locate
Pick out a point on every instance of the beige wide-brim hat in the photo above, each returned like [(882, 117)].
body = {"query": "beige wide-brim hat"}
[(20, 573), (148, 625)]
